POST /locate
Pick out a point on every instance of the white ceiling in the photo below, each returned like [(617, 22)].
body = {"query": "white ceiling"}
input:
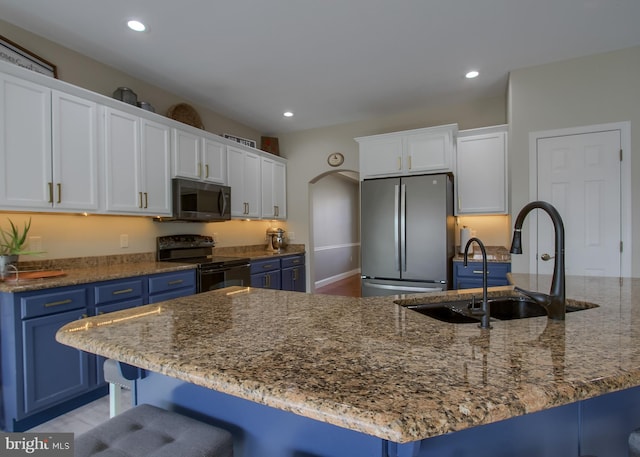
[(329, 61)]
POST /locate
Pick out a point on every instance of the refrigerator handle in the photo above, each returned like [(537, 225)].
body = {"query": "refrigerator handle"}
[(396, 244), (403, 221)]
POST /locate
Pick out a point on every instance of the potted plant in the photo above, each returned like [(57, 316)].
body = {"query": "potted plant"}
[(12, 245)]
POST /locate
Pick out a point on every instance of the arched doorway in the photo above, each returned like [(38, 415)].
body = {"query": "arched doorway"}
[(335, 227)]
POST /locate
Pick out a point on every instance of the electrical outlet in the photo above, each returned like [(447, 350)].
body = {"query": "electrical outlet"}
[(216, 238), (35, 243), (291, 236), (124, 241)]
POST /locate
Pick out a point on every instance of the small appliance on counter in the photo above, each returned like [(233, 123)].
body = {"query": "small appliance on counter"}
[(275, 240)]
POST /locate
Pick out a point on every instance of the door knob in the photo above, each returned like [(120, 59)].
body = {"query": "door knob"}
[(546, 257)]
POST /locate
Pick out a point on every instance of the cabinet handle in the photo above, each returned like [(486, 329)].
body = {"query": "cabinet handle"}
[(267, 267), (409, 162), (459, 203), (399, 163), (267, 280), (50, 192), (84, 316), (122, 291), (206, 171), (59, 193), (295, 275), (175, 282), (146, 200), (140, 196), (479, 272), (199, 170), (295, 262), (58, 303)]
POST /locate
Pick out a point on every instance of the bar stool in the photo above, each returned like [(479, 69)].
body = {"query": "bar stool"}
[(119, 376), (148, 431)]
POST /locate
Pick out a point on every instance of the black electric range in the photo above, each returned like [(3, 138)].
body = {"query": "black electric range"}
[(213, 271)]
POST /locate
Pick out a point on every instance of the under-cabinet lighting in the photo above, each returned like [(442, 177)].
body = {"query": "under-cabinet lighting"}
[(288, 114), (472, 74)]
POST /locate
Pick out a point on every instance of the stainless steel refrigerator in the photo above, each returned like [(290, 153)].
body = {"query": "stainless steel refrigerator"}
[(407, 234)]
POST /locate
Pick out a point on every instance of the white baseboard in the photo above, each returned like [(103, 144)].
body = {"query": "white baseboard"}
[(336, 278)]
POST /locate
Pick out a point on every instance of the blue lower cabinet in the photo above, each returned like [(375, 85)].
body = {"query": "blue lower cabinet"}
[(280, 273), (293, 273), (266, 274), (470, 277), (52, 372), (116, 295), (42, 378)]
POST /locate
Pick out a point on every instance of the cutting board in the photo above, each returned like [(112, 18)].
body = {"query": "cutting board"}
[(25, 275)]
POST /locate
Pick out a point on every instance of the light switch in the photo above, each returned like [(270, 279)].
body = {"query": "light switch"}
[(124, 241)]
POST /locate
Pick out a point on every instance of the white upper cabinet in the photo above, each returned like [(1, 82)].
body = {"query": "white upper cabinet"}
[(197, 156), (428, 150), (481, 171), (274, 189), (75, 153), (48, 148), (245, 182), (137, 171)]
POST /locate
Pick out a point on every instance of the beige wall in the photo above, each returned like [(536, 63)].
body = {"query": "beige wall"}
[(592, 90)]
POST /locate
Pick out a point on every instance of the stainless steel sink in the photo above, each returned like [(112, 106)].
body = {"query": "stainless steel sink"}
[(504, 308)]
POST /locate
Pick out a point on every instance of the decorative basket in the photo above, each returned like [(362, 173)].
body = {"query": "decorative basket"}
[(186, 114)]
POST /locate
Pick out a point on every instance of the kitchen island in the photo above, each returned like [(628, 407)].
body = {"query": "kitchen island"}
[(295, 374)]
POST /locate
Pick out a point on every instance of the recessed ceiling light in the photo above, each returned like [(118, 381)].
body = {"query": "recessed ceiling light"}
[(136, 25), (288, 114), (472, 74)]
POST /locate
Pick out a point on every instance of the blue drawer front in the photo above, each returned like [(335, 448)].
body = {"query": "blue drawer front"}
[(172, 281), (53, 302), (261, 266), (121, 290), (293, 261)]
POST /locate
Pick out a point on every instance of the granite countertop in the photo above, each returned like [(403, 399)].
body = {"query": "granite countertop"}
[(372, 366), (494, 254), (87, 274), (83, 270)]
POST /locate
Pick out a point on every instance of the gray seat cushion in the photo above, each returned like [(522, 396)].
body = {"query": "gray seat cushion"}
[(153, 432), (634, 443)]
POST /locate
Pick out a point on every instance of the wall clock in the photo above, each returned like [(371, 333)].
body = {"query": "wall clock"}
[(335, 159)]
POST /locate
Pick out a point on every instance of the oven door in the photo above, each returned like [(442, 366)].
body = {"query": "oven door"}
[(211, 278)]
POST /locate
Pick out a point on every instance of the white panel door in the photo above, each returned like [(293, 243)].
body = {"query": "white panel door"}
[(581, 176), (25, 144), (75, 153), (155, 168), (122, 153)]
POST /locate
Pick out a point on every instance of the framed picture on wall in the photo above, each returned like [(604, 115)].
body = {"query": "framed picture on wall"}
[(16, 54)]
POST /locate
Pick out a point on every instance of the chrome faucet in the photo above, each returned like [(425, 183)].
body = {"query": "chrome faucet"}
[(485, 313), (554, 303)]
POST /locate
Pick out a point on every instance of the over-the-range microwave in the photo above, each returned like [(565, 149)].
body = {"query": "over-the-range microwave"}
[(197, 201)]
